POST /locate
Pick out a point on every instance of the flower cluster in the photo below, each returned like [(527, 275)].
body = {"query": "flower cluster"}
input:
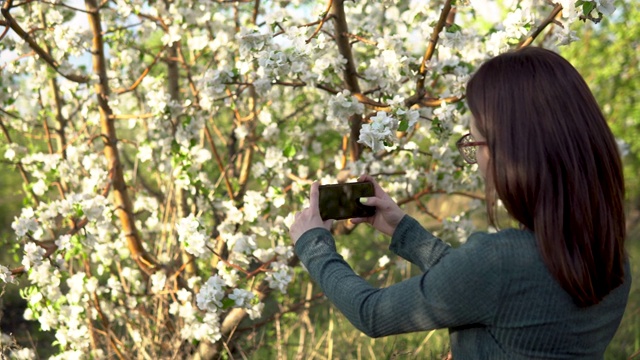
[(206, 329), (379, 132), (192, 235), (6, 275), (341, 107)]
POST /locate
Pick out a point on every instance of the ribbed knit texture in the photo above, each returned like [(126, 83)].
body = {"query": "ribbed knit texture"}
[(494, 293)]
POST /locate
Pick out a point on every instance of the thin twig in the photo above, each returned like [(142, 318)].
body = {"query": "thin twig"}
[(23, 172), (143, 75), (218, 161), (430, 191), (131, 116), (435, 102), (6, 28), (550, 19), (62, 5), (361, 39), (424, 209), (369, 102), (109, 31), (325, 16)]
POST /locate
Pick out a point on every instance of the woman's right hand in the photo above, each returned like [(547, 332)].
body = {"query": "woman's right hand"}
[(388, 213)]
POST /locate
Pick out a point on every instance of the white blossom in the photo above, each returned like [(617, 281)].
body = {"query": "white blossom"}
[(25, 223), (380, 130), (6, 275), (145, 153), (383, 261), (211, 294), (255, 311), (64, 242), (228, 274), (242, 298), (32, 255), (158, 280), (191, 235), (341, 107), (172, 35), (279, 276), (606, 7)]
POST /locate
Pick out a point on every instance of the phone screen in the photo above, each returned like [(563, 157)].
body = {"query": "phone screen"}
[(342, 201)]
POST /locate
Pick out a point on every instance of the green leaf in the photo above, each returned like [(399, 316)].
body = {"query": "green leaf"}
[(78, 210), (175, 147), (403, 126), (587, 7), (289, 151), (228, 303), (453, 28)]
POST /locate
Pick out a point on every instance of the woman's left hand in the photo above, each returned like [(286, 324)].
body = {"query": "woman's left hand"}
[(309, 218)]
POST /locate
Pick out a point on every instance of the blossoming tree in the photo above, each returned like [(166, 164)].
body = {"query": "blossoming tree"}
[(164, 146)]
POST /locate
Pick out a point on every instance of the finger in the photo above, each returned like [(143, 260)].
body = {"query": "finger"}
[(313, 199), (376, 186), (370, 201)]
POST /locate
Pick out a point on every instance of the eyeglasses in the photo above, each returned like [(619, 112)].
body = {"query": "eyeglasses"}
[(468, 148)]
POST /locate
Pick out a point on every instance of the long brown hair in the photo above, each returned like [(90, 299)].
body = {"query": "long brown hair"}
[(555, 166)]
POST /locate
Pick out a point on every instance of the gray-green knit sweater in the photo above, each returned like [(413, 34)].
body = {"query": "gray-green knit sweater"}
[(494, 293)]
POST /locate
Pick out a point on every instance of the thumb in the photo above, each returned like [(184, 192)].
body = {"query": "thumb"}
[(314, 198), (370, 201)]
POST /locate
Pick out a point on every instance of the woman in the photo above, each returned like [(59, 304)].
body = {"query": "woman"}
[(557, 286)]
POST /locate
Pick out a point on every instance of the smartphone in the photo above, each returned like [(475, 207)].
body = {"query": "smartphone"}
[(342, 201)]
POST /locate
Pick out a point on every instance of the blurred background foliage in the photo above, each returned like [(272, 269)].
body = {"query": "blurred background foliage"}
[(608, 55)]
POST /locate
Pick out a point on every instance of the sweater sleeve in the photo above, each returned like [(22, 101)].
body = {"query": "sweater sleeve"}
[(415, 244), (462, 288)]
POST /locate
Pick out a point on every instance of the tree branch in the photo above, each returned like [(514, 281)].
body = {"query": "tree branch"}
[(122, 201), (429, 191), (350, 74), (435, 102), (550, 19), (256, 11), (428, 54)]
